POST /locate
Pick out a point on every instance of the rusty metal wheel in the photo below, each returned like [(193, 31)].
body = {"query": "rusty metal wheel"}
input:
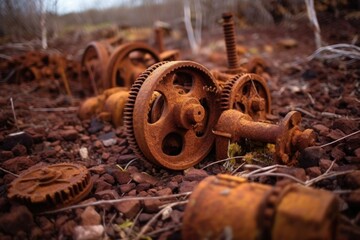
[(52, 186), (170, 114), (127, 62), (249, 94), (93, 66)]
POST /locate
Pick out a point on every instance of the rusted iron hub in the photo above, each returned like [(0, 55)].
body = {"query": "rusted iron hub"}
[(127, 62), (52, 186), (289, 139), (247, 93), (228, 207), (170, 114)]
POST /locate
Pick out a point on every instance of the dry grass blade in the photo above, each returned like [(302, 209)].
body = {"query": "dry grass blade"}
[(223, 160), (6, 171), (340, 139), (337, 51)]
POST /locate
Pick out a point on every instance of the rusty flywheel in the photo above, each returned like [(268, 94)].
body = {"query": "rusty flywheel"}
[(93, 66), (247, 93), (52, 186), (170, 114), (127, 62)]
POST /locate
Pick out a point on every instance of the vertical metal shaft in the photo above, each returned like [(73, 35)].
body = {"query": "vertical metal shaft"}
[(230, 40), (159, 35)]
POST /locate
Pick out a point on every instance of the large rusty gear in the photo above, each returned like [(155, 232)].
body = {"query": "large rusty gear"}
[(53, 186), (127, 62), (170, 114), (93, 66), (247, 93)]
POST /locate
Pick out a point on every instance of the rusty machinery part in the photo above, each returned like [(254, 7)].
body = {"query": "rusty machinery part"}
[(247, 93), (295, 212), (94, 106), (128, 61), (159, 39), (53, 186), (114, 107), (170, 55), (287, 136), (170, 114), (93, 67)]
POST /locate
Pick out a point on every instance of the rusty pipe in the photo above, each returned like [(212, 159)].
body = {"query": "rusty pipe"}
[(228, 207)]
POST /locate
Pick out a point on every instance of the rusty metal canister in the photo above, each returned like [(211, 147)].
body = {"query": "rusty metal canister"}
[(228, 207)]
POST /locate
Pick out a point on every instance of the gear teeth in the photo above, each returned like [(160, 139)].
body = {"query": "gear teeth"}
[(227, 91), (129, 109)]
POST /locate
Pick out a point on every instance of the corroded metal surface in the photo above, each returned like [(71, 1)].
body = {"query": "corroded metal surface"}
[(247, 93), (127, 62), (228, 207), (170, 114), (52, 186), (230, 40), (93, 67), (234, 125)]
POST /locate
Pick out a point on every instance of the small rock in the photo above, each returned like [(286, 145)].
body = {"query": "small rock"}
[(129, 208), (321, 129), (95, 126), (108, 178), (48, 153), (145, 217), (125, 158), (98, 169), (107, 136), (173, 185), (143, 187), (324, 165), (124, 188), (122, 177), (88, 232), (164, 192), (109, 142), (152, 205), (310, 156), (90, 217), (335, 134), (337, 153), (18, 164), (53, 136), (354, 199), (45, 224), (101, 185), (346, 125), (107, 194), (19, 150), (187, 186), (357, 152), (84, 153), (97, 144), (18, 219), (69, 135), (5, 155), (313, 172), (105, 156), (68, 228), (13, 139), (193, 174), (352, 180), (144, 178)]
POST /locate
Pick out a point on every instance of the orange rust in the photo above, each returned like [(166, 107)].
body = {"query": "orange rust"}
[(53, 186), (228, 207)]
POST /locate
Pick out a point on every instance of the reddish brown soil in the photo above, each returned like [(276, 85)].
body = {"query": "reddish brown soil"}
[(326, 92)]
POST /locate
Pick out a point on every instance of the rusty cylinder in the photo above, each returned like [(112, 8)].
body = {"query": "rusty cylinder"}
[(228, 207)]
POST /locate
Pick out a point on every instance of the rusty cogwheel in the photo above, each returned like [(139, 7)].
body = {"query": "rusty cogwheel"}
[(170, 114), (247, 93), (127, 62), (93, 66), (53, 186)]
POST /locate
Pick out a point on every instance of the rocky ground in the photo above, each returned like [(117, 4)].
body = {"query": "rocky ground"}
[(326, 92)]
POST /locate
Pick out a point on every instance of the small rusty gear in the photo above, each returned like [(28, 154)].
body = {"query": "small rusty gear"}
[(170, 115), (53, 186), (127, 62), (247, 93), (93, 66)]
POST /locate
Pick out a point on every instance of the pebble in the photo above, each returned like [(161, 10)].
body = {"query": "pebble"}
[(95, 126), (193, 174), (5, 155), (68, 228), (187, 186), (107, 194), (109, 142), (335, 134), (84, 153), (88, 232), (124, 188), (313, 172), (18, 219), (69, 135), (90, 217), (298, 173), (121, 177), (144, 178), (19, 150), (324, 165), (101, 185), (337, 153), (346, 125), (321, 129), (13, 139), (18, 164), (310, 156), (129, 208), (352, 180)]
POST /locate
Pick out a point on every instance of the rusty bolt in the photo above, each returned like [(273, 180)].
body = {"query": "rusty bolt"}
[(230, 40)]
